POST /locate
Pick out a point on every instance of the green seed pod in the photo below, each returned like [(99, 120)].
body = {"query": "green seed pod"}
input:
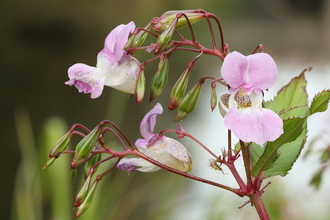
[(82, 192), (214, 98), (179, 89), (140, 87), (73, 174), (49, 162), (85, 146), (138, 39), (88, 200), (160, 78), (164, 40), (163, 22), (60, 145), (96, 158), (189, 102)]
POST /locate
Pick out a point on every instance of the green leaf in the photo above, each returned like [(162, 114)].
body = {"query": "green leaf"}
[(288, 154), (320, 102), (317, 178), (291, 101), (292, 130), (256, 151)]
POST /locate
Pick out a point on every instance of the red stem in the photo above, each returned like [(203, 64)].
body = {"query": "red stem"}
[(259, 206)]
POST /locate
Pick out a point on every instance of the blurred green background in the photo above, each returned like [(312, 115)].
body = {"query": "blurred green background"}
[(39, 40)]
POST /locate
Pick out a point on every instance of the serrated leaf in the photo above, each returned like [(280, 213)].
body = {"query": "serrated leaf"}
[(320, 102), (291, 101), (288, 154), (292, 130)]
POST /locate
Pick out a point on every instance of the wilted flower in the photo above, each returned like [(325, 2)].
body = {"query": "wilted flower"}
[(160, 148), (241, 106), (115, 68)]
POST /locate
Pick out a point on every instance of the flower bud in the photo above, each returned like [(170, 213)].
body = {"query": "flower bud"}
[(164, 40), (214, 98), (85, 146), (82, 193), (160, 78), (60, 145), (189, 102), (140, 87), (96, 158), (49, 162), (87, 201), (73, 174), (163, 22), (138, 39), (179, 89)]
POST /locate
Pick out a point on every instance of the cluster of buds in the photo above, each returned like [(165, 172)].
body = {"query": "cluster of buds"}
[(152, 153), (117, 68)]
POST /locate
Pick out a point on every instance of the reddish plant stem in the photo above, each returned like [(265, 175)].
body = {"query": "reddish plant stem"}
[(185, 134), (141, 155), (205, 50), (247, 167), (237, 177), (259, 206), (229, 146)]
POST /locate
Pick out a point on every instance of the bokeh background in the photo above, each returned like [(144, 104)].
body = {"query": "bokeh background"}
[(39, 40)]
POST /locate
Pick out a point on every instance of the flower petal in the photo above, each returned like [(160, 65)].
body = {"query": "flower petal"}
[(148, 123), (129, 164), (124, 76), (116, 40), (233, 69), (262, 71), (254, 125), (168, 151), (87, 79)]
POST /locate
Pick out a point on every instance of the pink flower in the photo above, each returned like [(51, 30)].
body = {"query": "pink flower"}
[(241, 106), (160, 148), (115, 68)]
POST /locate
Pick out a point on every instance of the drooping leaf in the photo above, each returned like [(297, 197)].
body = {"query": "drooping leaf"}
[(320, 102), (291, 101), (292, 130)]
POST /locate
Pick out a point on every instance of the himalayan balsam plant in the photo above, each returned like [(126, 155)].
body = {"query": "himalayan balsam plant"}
[(271, 133)]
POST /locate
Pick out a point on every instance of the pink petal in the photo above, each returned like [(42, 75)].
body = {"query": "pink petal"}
[(77, 68), (117, 38), (262, 71), (148, 123), (86, 79), (233, 69), (254, 125)]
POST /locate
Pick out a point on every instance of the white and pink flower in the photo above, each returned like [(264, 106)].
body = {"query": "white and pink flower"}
[(163, 149), (115, 68), (241, 106)]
